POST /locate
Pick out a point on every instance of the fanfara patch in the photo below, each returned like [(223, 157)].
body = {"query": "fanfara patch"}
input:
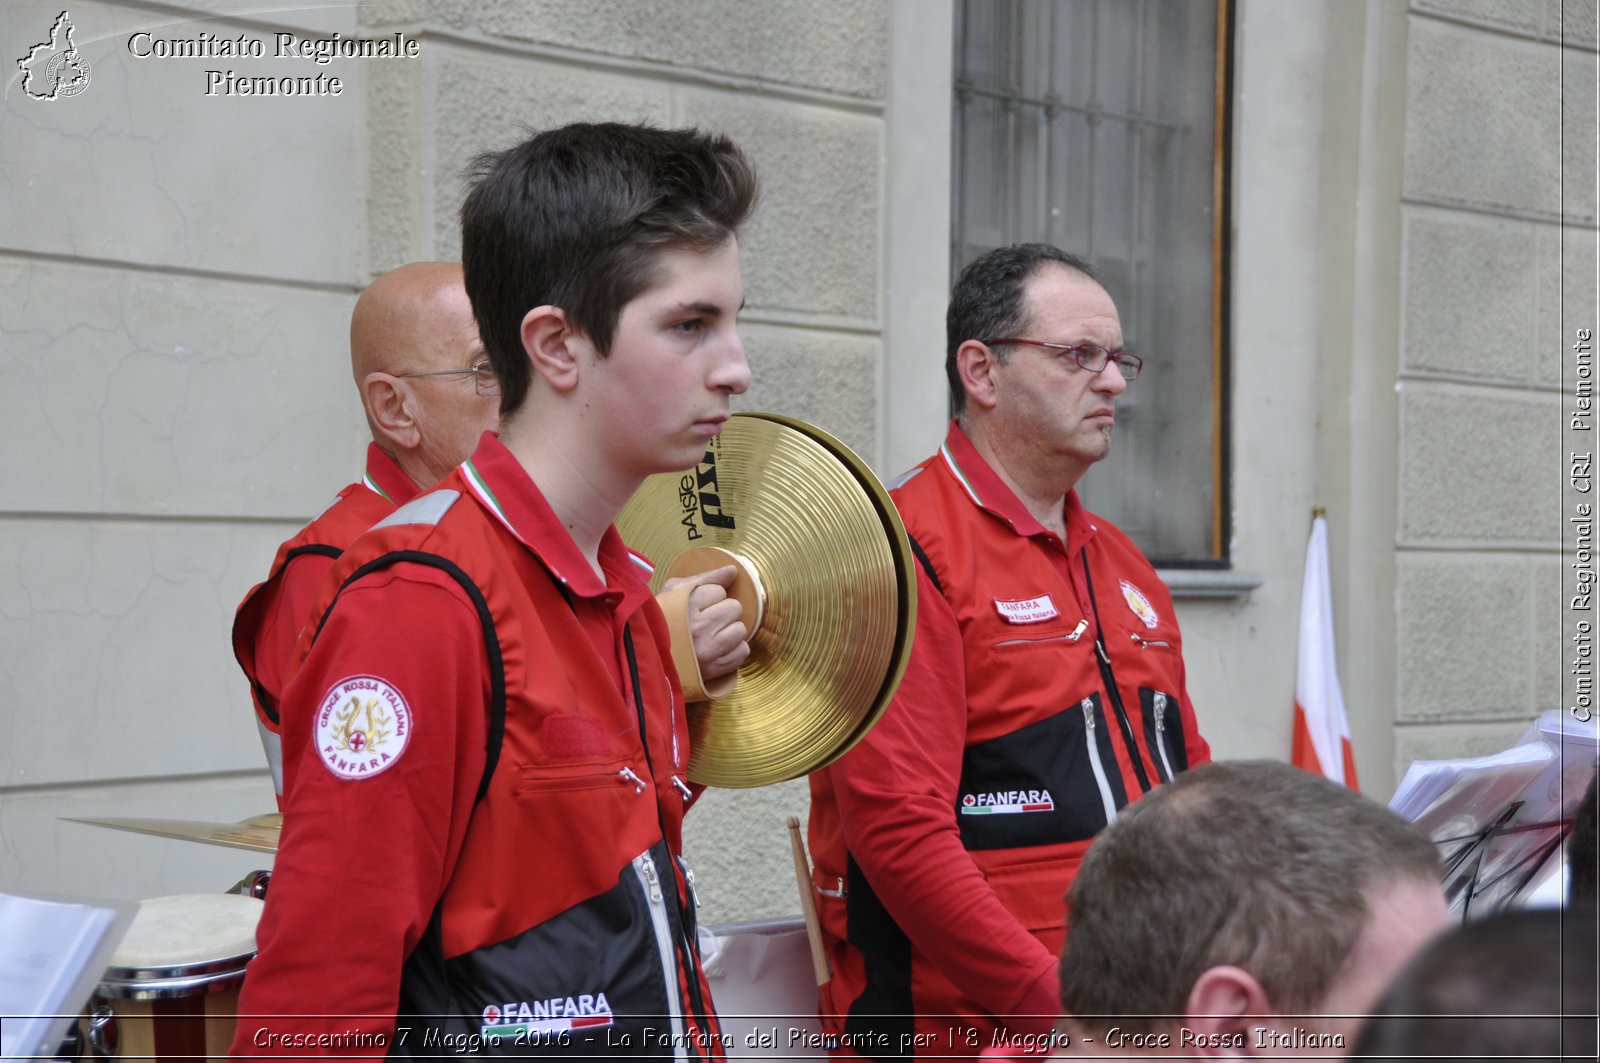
[(1031, 611), (363, 725), (1007, 802), (521, 1019), (1139, 604)]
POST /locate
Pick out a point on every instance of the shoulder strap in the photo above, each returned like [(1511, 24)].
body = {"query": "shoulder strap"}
[(497, 671), (927, 565)]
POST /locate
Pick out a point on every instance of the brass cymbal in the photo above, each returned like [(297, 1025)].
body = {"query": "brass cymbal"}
[(258, 833), (836, 573)]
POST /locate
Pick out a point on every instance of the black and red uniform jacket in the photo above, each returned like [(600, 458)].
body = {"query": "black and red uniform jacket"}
[(485, 747), (269, 620), (1045, 691)]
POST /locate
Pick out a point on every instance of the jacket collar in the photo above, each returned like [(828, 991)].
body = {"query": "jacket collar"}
[(385, 477), (991, 494), (503, 486)]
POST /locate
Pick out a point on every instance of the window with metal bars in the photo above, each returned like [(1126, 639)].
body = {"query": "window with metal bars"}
[(1100, 126)]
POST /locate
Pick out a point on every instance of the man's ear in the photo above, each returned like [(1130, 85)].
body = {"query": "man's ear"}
[(1225, 1005), (975, 363), (551, 346), (389, 409)]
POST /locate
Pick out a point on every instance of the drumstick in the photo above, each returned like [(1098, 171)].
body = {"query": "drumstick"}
[(808, 903)]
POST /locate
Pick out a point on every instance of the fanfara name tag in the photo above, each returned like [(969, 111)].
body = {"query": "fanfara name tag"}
[(1007, 802), (1139, 604), (363, 725), (1031, 611)]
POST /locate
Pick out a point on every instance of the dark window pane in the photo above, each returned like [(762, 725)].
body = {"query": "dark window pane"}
[(1091, 124)]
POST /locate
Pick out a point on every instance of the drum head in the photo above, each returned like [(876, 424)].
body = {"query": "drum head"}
[(836, 571), (184, 943)]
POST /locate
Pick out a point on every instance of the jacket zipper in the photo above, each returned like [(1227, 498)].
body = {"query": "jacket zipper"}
[(645, 867), (688, 876), (1145, 644), (1159, 708), (1094, 761), (1071, 636), (684, 955), (672, 718), (1110, 681)]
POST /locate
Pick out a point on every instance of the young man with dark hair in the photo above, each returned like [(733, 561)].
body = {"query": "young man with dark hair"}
[(1045, 689), (1248, 908), (487, 841)]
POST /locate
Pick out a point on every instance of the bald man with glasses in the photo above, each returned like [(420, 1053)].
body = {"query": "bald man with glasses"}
[(429, 394), (1045, 689)]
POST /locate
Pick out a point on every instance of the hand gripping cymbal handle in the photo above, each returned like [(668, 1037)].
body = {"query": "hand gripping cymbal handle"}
[(746, 590)]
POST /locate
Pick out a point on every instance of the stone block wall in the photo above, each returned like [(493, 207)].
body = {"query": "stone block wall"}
[(1498, 271), (176, 276)]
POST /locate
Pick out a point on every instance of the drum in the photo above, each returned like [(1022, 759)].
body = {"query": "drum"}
[(172, 989)]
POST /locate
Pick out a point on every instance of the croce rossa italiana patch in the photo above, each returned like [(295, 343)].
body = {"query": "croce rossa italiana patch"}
[(363, 725)]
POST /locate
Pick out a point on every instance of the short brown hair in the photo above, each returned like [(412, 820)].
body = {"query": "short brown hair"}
[(1250, 863), (577, 217), (989, 301)]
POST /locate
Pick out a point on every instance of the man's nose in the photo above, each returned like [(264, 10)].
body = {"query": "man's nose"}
[(1110, 380), (734, 371)]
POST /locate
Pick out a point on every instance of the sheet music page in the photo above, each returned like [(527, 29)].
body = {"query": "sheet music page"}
[(1429, 784), (52, 955)]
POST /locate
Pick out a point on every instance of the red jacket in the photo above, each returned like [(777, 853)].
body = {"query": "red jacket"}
[(945, 841), (485, 798), (268, 622)]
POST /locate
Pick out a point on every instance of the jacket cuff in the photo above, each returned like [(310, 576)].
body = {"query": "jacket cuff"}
[(1039, 1006)]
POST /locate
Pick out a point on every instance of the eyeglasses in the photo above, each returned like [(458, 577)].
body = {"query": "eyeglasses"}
[(1087, 355), (483, 377)]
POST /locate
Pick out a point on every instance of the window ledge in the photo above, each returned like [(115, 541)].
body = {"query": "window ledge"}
[(1204, 583)]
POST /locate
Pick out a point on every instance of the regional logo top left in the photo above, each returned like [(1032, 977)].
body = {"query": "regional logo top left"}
[(55, 69)]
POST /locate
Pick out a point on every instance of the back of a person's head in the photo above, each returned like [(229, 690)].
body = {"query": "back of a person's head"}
[(398, 319), (1253, 864), (1515, 986), (576, 218)]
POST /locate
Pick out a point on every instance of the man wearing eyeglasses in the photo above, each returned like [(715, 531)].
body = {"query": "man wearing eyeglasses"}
[(1044, 692), (429, 394)]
